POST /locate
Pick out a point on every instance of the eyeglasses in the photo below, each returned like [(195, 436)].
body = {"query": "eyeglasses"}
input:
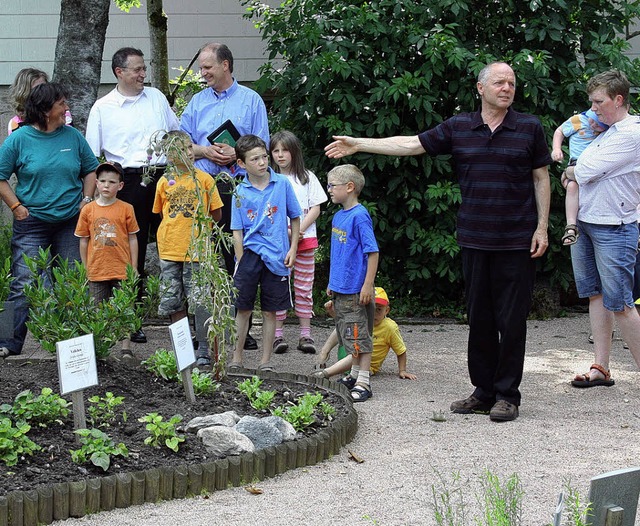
[(331, 186), (139, 69)]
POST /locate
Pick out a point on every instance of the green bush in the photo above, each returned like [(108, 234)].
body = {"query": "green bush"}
[(98, 448), (60, 307), (14, 442), (398, 67), (42, 410)]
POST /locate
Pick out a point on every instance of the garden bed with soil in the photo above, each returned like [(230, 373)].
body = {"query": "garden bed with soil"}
[(143, 393)]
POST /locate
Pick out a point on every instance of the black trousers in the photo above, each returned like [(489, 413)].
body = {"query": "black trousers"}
[(141, 198), (499, 293)]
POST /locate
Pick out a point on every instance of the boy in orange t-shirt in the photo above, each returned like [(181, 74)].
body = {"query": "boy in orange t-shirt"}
[(107, 230)]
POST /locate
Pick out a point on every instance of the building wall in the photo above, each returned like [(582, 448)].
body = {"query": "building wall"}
[(29, 29)]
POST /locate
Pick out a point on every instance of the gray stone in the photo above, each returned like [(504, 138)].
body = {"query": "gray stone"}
[(261, 432), (227, 419), (287, 430), (222, 441)]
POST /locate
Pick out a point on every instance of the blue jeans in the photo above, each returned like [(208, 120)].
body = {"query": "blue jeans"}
[(603, 260), (29, 235)]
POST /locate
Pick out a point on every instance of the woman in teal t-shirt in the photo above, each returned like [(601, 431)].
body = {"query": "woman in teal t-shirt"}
[(55, 170)]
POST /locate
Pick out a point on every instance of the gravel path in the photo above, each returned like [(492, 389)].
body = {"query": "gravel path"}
[(562, 434)]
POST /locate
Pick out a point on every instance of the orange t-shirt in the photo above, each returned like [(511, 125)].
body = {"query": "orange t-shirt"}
[(178, 203), (108, 229)]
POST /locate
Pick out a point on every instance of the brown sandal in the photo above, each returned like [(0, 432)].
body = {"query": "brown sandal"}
[(585, 380), (571, 235)]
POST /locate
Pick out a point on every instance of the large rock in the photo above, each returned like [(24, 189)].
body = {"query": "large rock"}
[(227, 419), (222, 441), (287, 430), (261, 432)]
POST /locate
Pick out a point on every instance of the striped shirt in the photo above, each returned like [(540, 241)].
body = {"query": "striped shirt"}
[(494, 169)]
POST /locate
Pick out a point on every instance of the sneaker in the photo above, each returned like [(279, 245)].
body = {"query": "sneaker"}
[(306, 345), (250, 343), (138, 337), (280, 346), (503, 411), (471, 405), (319, 373)]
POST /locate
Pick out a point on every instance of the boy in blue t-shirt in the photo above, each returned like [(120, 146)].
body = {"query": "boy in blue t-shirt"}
[(264, 254), (352, 271)]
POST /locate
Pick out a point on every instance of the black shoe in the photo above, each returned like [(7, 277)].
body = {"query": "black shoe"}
[(138, 337), (250, 344)]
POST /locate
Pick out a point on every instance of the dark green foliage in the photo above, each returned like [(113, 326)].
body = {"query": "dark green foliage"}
[(398, 67)]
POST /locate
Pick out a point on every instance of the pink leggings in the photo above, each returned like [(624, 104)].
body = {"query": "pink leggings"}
[(303, 273)]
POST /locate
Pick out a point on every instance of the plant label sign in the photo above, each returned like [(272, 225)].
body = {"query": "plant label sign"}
[(77, 367), (182, 343)]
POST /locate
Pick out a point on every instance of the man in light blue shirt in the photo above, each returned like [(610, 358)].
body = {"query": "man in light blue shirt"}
[(223, 100)]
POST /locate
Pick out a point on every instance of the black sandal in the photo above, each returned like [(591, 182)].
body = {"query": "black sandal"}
[(571, 235)]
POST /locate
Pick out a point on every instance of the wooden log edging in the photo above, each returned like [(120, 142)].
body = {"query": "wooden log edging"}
[(49, 502)]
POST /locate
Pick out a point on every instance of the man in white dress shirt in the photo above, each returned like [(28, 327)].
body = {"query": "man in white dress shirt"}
[(120, 127)]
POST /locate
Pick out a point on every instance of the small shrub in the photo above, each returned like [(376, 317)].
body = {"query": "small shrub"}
[(203, 383), (161, 432), (102, 411), (163, 363), (14, 442), (259, 400), (40, 410), (97, 448), (5, 281), (302, 414), (65, 310)]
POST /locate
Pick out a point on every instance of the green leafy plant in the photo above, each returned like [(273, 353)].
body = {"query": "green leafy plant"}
[(41, 410), (65, 310), (203, 383), (327, 409), (98, 448), (301, 414), (102, 411), (5, 281), (163, 363), (448, 501), (185, 86), (14, 442), (259, 400), (501, 502), (162, 432), (577, 511)]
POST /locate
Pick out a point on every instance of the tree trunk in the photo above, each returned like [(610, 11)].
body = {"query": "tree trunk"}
[(157, 22), (78, 58)]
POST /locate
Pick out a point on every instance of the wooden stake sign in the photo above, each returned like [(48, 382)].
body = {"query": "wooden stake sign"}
[(77, 370), (185, 355)]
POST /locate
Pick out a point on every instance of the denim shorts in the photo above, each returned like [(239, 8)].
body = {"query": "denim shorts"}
[(603, 261), (275, 292)]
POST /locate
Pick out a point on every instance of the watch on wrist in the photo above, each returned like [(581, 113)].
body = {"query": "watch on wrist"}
[(87, 199)]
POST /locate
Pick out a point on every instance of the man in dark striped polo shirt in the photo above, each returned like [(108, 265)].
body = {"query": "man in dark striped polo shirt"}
[(501, 158)]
